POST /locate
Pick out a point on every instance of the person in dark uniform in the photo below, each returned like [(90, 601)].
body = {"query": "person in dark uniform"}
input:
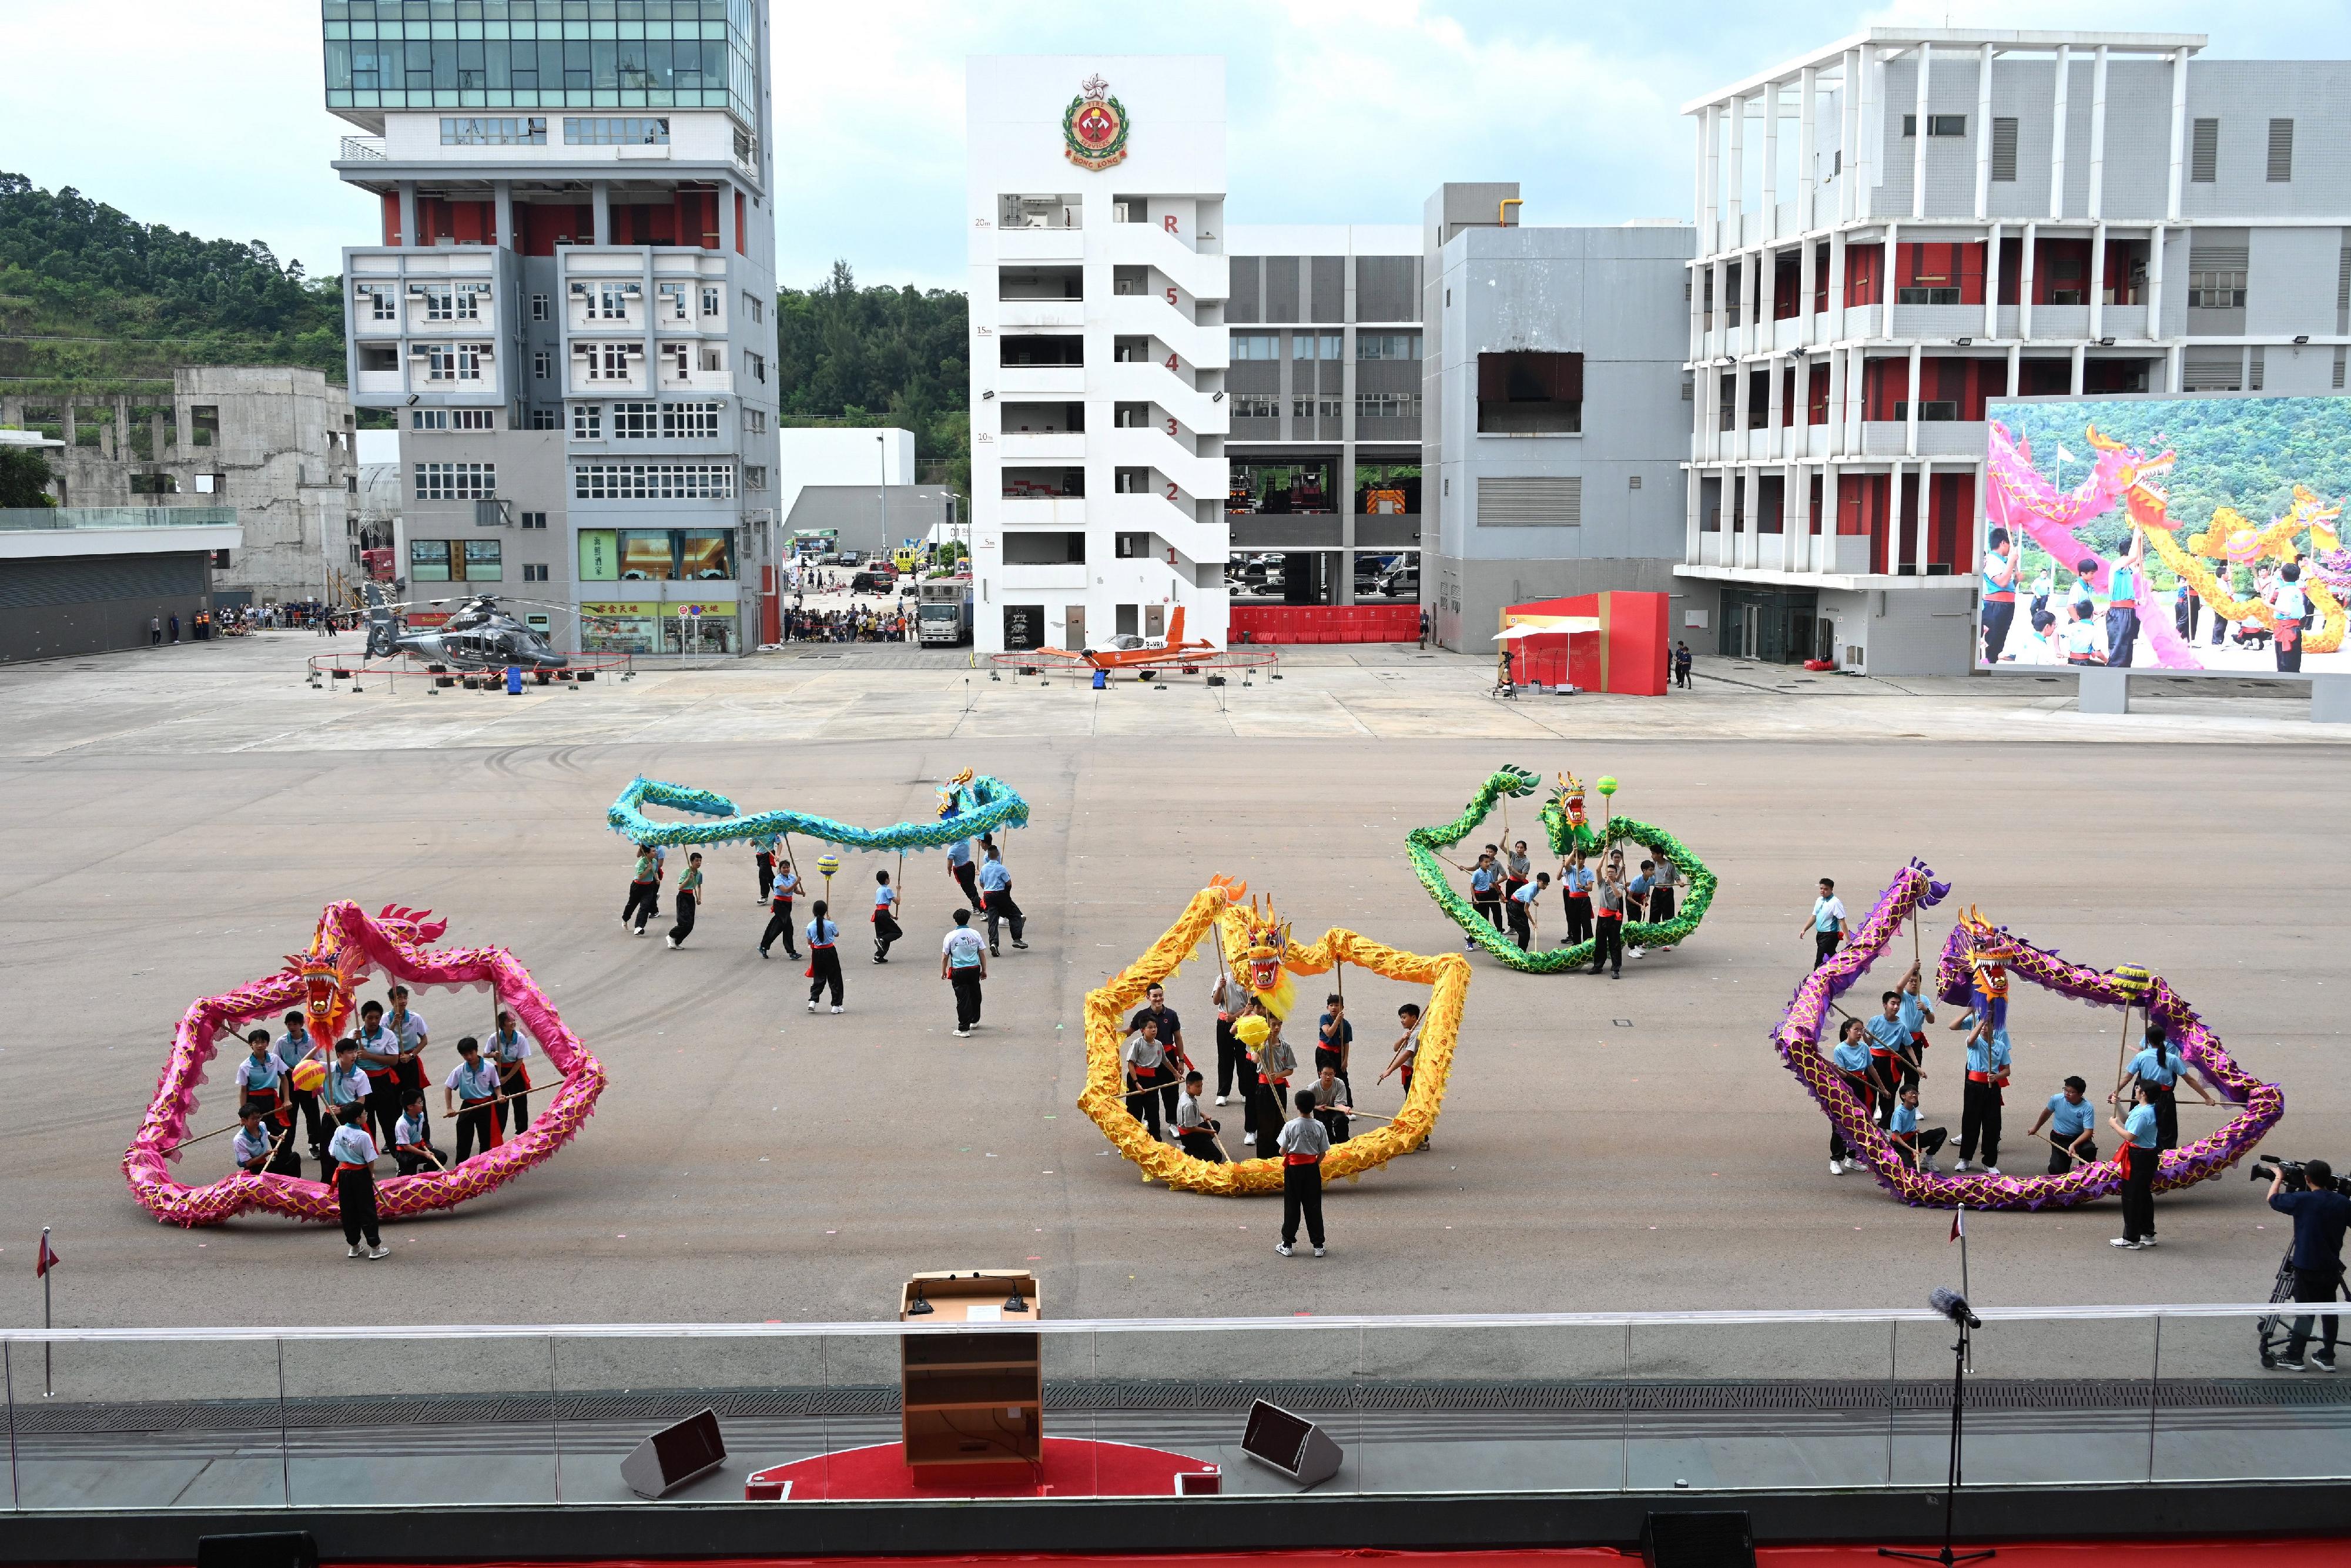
[(966, 875), (886, 928), (824, 956), (1303, 1142), (1171, 1039), (779, 904), (1195, 1129), (996, 882), (1148, 1076), (2320, 1214), (1575, 881)]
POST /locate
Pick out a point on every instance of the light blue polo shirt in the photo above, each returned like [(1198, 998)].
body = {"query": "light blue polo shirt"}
[(2069, 1121), (2140, 1125), (994, 877), (1850, 1055), (2157, 1067)]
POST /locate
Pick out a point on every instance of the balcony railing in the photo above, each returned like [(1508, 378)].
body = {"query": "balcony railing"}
[(1853, 1400), (23, 518), (362, 149)]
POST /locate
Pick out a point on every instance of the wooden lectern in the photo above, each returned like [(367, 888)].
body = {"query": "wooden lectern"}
[(971, 1399)]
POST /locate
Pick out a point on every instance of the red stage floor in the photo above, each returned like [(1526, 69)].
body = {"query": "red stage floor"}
[(1073, 1467)]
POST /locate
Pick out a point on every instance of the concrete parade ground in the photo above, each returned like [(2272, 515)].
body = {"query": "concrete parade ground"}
[(180, 816)]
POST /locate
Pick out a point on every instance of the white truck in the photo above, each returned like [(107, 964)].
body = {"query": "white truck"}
[(943, 612)]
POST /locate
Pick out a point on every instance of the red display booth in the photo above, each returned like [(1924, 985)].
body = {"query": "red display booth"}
[(1625, 655)]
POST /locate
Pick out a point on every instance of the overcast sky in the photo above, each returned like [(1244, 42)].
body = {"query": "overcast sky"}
[(208, 117)]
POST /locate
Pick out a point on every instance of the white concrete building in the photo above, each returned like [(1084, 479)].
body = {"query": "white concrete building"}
[(1099, 279), (2084, 213)]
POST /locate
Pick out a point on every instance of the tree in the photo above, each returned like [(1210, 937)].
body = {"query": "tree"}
[(23, 477), (879, 357)]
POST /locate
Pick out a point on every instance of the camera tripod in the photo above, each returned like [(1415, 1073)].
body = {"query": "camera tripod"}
[(1947, 1557)]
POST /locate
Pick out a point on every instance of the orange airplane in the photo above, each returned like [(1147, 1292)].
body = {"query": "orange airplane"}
[(1132, 652)]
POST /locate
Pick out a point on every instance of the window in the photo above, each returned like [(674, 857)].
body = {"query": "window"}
[(381, 305), (710, 297), (652, 132), (635, 421), (758, 364), (1387, 345), (1936, 125), (1928, 411), (671, 306), (690, 421), (653, 481), (2281, 152), (609, 300), (455, 361), (484, 559), (437, 302), (428, 419), (753, 478), (587, 422), (428, 560), (1314, 408), (534, 571), (450, 419), (1257, 345), (457, 481), (754, 422), (1532, 392), (535, 520), (380, 357), (2217, 277), (2003, 149), (607, 361), (542, 365), (2204, 154), (711, 357), (530, 131), (1252, 405), (473, 419), (546, 418), (154, 485), (1388, 405), (539, 307), (751, 308), (1314, 345)]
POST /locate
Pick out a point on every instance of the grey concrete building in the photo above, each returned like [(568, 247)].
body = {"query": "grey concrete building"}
[(1556, 418), (1900, 225), (1324, 504), (272, 443), (869, 518)]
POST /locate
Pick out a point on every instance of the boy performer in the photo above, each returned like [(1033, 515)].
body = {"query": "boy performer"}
[(353, 1153), (467, 1095), (411, 1150), (886, 928), (2071, 1120), (1146, 1069), (508, 1046), (779, 906), (1303, 1142), (1194, 1128)]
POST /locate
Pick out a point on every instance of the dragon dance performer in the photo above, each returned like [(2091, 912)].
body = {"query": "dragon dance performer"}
[(1485, 893), (379, 1055), (1894, 1035), (1194, 1128), (259, 1143), (2071, 1120), (1998, 593), (1332, 1107), (1148, 1076), (963, 875), (2140, 1160), (824, 956), (763, 856), (996, 881), (2122, 600), (963, 963), (1916, 1146), (886, 928), (260, 1079), (353, 1153), (2157, 1070), (645, 890), (1230, 1058), (294, 1047), (689, 900), (468, 1093), (1989, 1060), (508, 1047), (1407, 1051), (780, 904), (1303, 1142), (346, 1083), (1575, 881), (1856, 1063), (412, 1148), (413, 1036), (1171, 1039)]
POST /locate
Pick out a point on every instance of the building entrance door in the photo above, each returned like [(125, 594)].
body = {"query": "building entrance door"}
[(1073, 631)]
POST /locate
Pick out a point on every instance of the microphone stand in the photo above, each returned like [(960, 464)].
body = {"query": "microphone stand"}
[(1946, 1557)]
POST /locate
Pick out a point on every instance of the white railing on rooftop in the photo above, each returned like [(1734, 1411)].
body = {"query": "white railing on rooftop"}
[(14, 519), (360, 148)]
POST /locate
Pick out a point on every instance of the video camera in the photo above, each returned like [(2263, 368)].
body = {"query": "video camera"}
[(2296, 1174)]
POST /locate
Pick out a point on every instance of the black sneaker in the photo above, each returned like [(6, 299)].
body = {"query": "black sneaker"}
[(1017, 943)]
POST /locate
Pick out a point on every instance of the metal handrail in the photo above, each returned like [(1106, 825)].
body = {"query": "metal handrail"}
[(1723, 1318), (357, 149)]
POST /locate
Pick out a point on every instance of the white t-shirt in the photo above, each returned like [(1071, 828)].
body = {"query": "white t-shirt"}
[(963, 948)]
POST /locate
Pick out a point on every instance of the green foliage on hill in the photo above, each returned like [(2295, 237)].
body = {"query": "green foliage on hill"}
[(91, 299), (846, 355)]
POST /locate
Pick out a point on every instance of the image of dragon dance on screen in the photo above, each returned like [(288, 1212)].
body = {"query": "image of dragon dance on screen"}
[(2167, 534)]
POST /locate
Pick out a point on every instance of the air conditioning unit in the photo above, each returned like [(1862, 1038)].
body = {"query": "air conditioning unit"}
[(1118, 211), (1124, 285)]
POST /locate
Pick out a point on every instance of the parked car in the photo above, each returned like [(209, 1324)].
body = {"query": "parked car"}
[(880, 579)]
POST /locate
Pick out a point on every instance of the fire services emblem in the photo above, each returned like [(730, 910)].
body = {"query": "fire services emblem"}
[(1093, 130)]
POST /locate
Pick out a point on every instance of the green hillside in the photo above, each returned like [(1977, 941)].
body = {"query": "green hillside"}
[(846, 355)]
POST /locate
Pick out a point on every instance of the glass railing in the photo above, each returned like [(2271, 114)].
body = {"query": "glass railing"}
[(148, 1419), (24, 517)]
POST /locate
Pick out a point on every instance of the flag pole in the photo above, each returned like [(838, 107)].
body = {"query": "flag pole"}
[(48, 1389), (1963, 1273)]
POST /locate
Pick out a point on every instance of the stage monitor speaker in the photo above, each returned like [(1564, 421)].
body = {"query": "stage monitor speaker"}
[(1696, 1541), (675, 1457), (277, 1549), (1291, 1444)]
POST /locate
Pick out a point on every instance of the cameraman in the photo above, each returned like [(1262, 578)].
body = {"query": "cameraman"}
[(2320, 1213)]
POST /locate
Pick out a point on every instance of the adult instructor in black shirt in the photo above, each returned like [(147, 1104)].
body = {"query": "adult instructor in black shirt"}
[(2319, 1214), (1171, 1038)]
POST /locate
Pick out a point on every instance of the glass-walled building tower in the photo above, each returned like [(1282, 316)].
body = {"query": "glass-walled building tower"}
[(567, 307)]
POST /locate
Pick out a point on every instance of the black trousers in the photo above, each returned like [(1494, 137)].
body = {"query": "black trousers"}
[(1858, 1086), (1824, 947), (410, 1164), (1302, 1195), (2139, 1191), (1522, 928), (1000, 907), (512, 1082), (2166, 1115), (1925, 1141), (1979, 1122), (967, 877), (1203, 1147), (306, 1104), (1999, 614), (1608, 945), (887, 930), (1578, 919), (1661, 906), (966, 995), (2315, 1285), (1143, 1098), (1230, 1059), (473, 1126), (383, 1106), (2122, 631), (2061, 1162), (355, 1198), (640, 907), (1336, 1125), (1265, 1116), (767, 864), (824, 969), (2288, 658), (684, 927), (1490, 910), (779, 923)]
